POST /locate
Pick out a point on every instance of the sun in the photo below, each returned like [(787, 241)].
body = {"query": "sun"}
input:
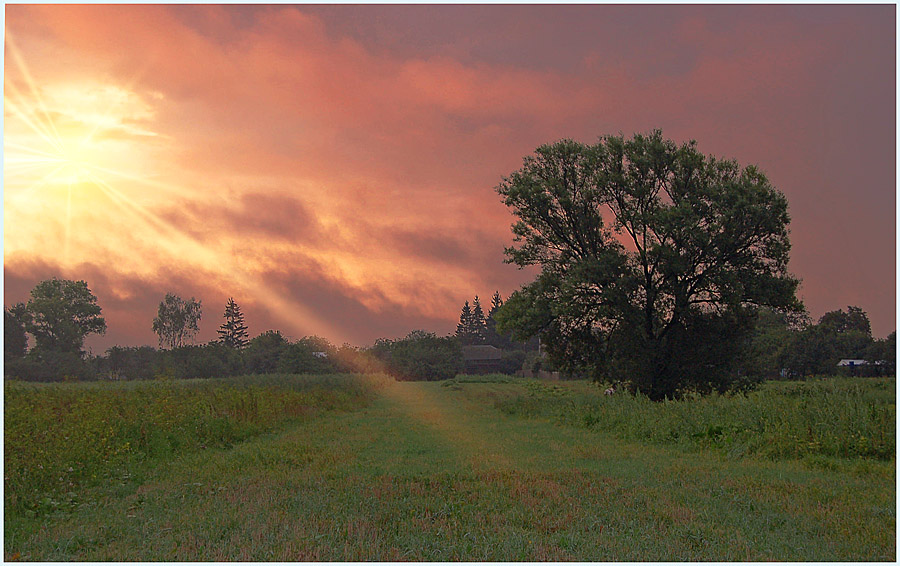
[(78, 162)]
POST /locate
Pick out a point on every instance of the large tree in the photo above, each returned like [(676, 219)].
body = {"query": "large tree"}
[(60, 313), (233, 332), (176, 320), (654, 259)]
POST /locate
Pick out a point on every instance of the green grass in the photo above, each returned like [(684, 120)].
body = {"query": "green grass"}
[(434, 471), (62, 437), (837, 418)]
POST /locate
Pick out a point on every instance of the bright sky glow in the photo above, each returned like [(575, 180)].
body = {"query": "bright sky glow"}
[(333, 168)]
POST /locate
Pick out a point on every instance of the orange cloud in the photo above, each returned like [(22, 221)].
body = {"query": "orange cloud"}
[(259, 145)]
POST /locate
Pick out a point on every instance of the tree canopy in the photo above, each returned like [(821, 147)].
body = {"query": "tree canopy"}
[(15, 342), (177, 320), (60, 313), (654, 259)]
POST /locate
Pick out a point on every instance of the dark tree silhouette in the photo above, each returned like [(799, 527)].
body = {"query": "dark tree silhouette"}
[(479, 325), (706, 242), (176, 320), (60, 313), (233, 332), (464, 330), (15, 341)]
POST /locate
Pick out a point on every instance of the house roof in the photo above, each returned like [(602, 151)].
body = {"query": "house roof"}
[(481, 352), (849, 362)]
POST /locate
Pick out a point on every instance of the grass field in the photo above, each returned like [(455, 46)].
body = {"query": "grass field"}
[(363, 468)]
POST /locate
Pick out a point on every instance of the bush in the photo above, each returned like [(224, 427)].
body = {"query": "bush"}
[(420, 356), (46, 366)]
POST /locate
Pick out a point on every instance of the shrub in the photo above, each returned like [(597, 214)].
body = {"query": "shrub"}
[(420, 356)]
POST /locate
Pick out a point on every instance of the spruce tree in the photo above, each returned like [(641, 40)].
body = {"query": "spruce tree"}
[(479, 325), (496, 303), (492, 337), (464, 328), (233, 332)]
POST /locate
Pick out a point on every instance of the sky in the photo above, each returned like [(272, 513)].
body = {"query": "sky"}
[(333, 168)]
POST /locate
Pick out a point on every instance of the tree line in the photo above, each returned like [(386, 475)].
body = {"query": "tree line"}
[(661, 268), (61, 313)]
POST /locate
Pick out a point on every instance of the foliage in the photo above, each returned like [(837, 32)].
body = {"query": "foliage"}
[(208, 360), (478, 322), (59, 314), (15, 342), (836, 417), (817, 348), (420, 356), (311, 354), (467, 331), (177, 320), (883, 353), (491, 335), (840, 322), (262, 352), (233, 332), (127, 363), (48, 365), (707, 240)]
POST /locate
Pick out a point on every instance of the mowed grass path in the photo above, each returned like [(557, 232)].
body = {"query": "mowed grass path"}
[(436, 473)]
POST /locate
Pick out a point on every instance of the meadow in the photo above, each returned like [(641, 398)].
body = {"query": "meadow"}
[(474, 468)]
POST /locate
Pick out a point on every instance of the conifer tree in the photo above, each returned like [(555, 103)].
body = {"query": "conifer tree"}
[(496, 303), (492, 337), (233, 332), (479, 325), (465, 326)]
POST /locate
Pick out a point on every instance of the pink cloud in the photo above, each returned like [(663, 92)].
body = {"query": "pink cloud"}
[(377, 150)]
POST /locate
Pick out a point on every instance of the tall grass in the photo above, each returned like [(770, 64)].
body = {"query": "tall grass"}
[(59, 438), (832, 418)]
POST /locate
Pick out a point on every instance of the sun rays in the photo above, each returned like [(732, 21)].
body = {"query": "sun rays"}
[(80, 155)]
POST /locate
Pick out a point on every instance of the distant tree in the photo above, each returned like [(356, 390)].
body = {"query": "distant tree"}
[(15, 341), (768, 339), (811, 351), (310, 354), (817, 348), (707, 243), (59, 314), (177, 320), (840, 322), (129, 362), (491, 335), (264, 351), (465, 330), (233, 332), (204, 361), (883, 353), (420, 356), (479, 325), (496, 303)]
